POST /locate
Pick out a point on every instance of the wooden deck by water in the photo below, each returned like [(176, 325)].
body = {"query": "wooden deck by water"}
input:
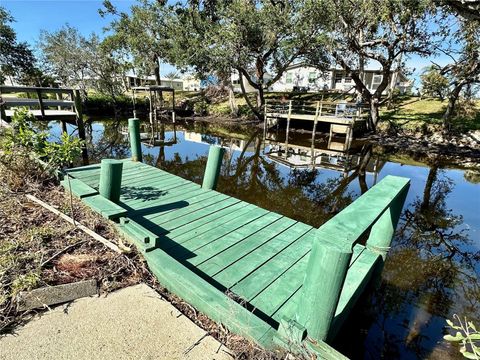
[(240, 264)]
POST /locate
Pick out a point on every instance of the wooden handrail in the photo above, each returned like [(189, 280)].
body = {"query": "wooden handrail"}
[(5, 89), (378, 210)]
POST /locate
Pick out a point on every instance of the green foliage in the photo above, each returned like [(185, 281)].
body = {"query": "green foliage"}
[(25, 282), (201, 107), (250, 38), (434, 84), (16, 58), (23, 141), (102, 104), (84, 62), (65, 152), (142, 33), (467, 335)]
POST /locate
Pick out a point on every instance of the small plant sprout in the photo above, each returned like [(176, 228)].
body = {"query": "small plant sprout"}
[(467, 335)]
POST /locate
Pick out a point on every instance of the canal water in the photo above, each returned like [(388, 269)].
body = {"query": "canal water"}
[(432, 271)]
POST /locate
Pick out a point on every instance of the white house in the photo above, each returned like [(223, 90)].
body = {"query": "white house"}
[(191, 83), (134, 80), (301, 77), (248, 88)]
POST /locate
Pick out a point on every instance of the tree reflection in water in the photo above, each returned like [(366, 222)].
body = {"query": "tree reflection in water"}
[(431, 273)]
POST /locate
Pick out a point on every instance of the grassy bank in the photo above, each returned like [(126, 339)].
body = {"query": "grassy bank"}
[(413, 114)]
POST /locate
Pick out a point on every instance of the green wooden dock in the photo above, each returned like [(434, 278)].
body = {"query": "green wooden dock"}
[(261, 274)]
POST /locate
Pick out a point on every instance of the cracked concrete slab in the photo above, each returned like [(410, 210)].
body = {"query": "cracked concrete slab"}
[(132, 323)]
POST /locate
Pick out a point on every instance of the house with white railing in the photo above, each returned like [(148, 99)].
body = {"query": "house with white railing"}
[(302, 77)]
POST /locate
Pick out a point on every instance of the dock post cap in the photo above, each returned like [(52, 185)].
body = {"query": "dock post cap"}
[(111, 161)]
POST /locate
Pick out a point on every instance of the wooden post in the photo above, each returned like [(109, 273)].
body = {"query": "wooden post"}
[(135, 143), (326, 271), (288, 127), (59, 98), (265, 121), (40, 102), (80, 125), (3, 115), (383, 230), (212, 170), (315, 120), (110, 179)]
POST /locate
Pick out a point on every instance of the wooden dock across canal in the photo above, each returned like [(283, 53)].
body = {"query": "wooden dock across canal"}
[(270, 278)]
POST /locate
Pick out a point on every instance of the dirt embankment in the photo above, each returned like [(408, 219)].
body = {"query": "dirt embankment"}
[(461, 148)]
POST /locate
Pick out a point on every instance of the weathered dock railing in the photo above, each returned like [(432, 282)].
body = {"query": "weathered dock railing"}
[(66, 107), (341, 116)]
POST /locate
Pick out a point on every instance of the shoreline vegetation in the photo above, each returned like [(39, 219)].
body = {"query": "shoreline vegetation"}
[(409, 114)]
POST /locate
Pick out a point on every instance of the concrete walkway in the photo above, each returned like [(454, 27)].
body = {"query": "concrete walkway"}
[(132, 323)]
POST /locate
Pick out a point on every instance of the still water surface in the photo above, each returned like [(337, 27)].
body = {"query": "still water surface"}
[(432, 270)]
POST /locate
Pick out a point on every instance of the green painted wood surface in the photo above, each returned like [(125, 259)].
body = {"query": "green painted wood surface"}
[(242, 265), (135, 143), (110, 179), (78, 188), (105, 207)]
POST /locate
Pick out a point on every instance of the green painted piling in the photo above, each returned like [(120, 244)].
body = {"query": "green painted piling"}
[(383, 229), (135, 143), (326, 271), (212, 170), (111, 179)]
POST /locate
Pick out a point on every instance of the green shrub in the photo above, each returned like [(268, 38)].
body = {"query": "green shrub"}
[(100, 104), (201, 108), (28, 154)]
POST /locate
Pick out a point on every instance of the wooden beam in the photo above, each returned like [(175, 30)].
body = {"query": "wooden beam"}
[(80, 125)]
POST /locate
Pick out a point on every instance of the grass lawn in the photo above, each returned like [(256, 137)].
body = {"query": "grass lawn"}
[(414, 113)]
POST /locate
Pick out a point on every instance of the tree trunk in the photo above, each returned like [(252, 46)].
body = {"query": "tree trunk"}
[(247, 100), (374, 114), (260, 81), (452, 100), (156, 70), (427, 191), (260, 99)]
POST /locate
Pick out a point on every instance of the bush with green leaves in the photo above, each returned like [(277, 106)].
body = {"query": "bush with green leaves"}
[(27, 153), (467, 335)]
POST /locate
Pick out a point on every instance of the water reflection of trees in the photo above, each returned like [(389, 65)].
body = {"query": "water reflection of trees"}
[(111, 143), (298, 194), (431, 273)]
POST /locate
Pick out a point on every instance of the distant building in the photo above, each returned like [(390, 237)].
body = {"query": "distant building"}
[(133, 80), (301, 77), (191, 83)]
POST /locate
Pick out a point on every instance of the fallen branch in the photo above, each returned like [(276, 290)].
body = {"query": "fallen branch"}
[(93, 234)]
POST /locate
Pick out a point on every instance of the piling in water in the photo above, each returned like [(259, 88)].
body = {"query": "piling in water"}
[(212, 170), (135, 143)]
